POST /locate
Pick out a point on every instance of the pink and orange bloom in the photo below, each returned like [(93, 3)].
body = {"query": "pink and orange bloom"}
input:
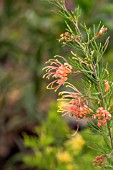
[(100, 160), (58, 71), (74, 104), (102, 116)]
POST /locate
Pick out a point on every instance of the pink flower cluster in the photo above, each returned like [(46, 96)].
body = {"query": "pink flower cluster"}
[(77, 107), (102, 115), (67, 37), (100, 160), (74, 104), (58, 71)]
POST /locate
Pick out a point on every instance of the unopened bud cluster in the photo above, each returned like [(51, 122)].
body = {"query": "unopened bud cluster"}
[(100, 160), (102, 116), (67, 37), (102, 31), (106, 85)]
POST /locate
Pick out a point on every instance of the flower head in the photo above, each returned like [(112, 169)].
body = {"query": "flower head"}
[(75, 104), (76, 107), (102, 115), (58, 71), (66, 37), (100, 160)]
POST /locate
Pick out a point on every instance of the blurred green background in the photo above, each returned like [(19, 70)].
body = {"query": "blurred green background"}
[(32, 134)]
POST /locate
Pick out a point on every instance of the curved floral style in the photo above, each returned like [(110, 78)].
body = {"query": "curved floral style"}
[(75, 104), (87, 53), (58, 71)]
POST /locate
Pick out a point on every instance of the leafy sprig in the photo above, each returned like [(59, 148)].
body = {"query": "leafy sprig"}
[(87, 59)]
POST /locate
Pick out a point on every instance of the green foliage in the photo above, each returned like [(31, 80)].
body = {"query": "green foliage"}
[(54, 148), (26, 31), (29, 31), (87, 59), (86, 5)]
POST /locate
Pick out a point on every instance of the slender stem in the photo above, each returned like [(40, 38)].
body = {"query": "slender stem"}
[(94, 68), (98, 81), (110, 136), (103, 103), (80, 34), (77, 28), (99, 84)]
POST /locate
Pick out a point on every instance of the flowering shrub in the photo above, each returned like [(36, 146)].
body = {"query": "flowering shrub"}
[(86, 59), (53, 147)]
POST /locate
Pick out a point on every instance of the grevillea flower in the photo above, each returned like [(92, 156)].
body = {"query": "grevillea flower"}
[(58, 71), (75, 104), (100, 160), (102, 115)]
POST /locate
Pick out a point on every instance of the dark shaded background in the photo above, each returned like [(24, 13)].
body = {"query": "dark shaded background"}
[(29, 30)]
